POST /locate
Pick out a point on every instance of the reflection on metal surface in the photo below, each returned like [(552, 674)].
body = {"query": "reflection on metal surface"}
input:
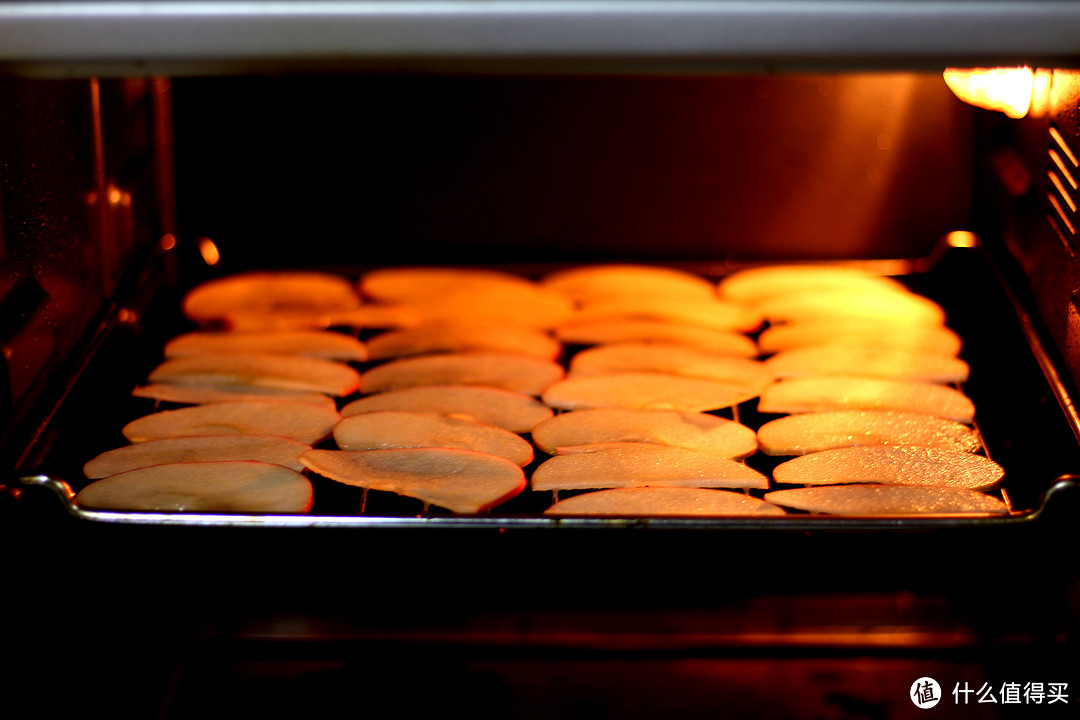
[(209, 251), (1008, 90)]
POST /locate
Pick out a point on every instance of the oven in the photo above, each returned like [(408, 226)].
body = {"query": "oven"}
[(150, 147)]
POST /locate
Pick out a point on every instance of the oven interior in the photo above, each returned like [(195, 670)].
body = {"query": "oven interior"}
[(116, 187)]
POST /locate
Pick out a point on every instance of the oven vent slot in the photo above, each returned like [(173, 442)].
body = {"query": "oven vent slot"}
[(1063, 192)]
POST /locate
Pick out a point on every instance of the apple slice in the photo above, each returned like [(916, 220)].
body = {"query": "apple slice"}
[(518, 373), (524, 306), (693, 431), (214, 487), (462, 337), (886, 500), (304, 422), (867, 359), (388, 429), (671, 359), (463, 481), (663, 501), (892, 465), (659, 391), (592, 282), (308, 343), (607, 331), (841, 392), (812, 432), (269, 292), (712, 313), (203, 394), (372, 315), (410, 283), (915, 338), (754, 285), (264, 448), (302, 374), (888, 307), (513, 411), (628, 464)]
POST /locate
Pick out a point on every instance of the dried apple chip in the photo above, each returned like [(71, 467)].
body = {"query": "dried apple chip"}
[(388, 429), (892, 465), (463, 481), (264, 448), (913, 338), (818, 394), (513, 411), (693, 431), (886, 500), (270, 292), (645, 390), (304, 422), (812, 432), (461, 337), (304, 374), (672, 359), (663, 501), (213, 487), (591, 282), (870, 360), (308, 343), (220, 393), (628, 464), (607, 331), (518, 373), (754, 285)]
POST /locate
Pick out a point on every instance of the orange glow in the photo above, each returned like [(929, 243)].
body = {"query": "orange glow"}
[(962, 239), (209, 251), (115, 195), (1009, 90), (126, 316), (168, 241)]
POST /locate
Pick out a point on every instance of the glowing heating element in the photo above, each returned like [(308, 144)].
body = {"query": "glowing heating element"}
[(1009, 90)]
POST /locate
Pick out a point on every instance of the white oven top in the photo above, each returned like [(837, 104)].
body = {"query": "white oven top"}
[(209, 36)]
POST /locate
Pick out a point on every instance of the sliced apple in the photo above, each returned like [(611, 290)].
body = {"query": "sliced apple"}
[(270, 292), (867, 359), (607, 331), (513, 411), (892, 465), (308, 343), (754, 285), (525, 306), (212, 487), (203, 394), (812, 432), (689, 430), (628, 464), (463, 337), (659, 391), (372, 315), (518, 373), (388, 429), (301, 374), (410, 283), (591, 282), (463, 481), (304, 422), (264, 448), (888, 307), (671, 359), (711, 313), (839, 331), (872, 499), (663, 502), (819, 394)]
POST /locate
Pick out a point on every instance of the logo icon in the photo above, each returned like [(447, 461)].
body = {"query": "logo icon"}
[(925, 693)]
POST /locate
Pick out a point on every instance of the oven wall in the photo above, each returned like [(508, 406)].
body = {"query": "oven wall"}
[(367, 169)]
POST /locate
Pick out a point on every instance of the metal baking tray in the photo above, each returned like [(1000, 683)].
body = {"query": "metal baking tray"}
[(1024, 412)]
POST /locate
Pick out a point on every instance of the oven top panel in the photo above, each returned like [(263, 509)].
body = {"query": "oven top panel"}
[(190, 37)]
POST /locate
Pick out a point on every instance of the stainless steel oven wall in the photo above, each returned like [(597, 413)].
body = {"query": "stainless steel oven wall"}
[(366, 169), (84, 191)]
